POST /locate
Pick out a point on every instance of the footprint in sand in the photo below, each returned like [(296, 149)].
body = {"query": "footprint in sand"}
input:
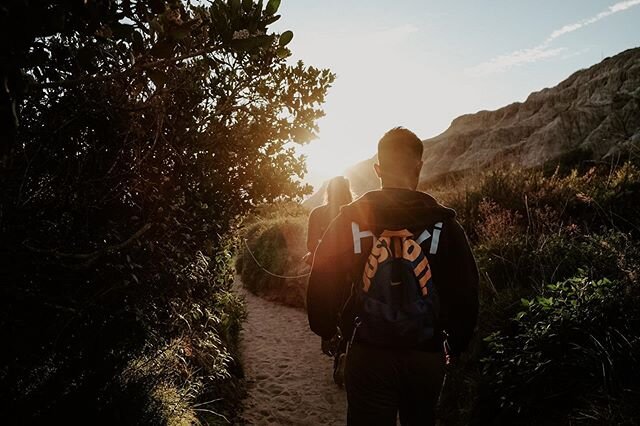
[(288, 379)]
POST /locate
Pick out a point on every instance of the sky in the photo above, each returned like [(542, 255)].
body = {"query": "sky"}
[(422, 63)]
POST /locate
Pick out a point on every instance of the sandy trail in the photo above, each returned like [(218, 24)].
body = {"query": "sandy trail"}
[(289, 379)]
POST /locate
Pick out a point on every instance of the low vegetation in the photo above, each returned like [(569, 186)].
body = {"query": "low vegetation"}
[(275, 239), (558, 332), (558, 337)]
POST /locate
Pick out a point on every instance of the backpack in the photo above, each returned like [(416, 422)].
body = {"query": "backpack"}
[(397, 303)]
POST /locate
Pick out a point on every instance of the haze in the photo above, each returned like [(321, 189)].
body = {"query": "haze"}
[(420, 64)]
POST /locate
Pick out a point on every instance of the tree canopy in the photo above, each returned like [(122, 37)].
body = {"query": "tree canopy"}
[(138, 132)]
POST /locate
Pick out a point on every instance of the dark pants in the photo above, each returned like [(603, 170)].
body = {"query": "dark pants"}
[(382, 383)]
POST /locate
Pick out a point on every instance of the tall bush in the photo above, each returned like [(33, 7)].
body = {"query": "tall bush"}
[(144, 130)]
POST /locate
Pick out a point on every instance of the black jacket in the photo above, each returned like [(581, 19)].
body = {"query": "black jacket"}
[(319, 220), (341, 255)]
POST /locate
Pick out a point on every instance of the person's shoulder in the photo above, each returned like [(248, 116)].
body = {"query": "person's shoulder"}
[(320, 214), (319, 210), (433, 200)]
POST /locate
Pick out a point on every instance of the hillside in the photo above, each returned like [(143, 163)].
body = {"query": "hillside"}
[(593, 114)]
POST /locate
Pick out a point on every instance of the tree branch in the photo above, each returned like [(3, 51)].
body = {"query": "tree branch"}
[(94, 254), (134, 69)]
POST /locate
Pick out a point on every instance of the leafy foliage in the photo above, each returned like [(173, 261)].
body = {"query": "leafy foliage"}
[(146, 128), (573, 343), (276, 236), (558, 328)]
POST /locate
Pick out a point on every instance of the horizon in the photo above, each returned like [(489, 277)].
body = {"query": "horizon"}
[(445, 72)]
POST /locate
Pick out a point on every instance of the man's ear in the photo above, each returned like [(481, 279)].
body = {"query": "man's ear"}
[(376, 167), (419, 168)]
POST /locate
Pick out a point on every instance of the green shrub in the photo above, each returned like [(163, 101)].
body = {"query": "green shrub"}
[(531, 230), (277, 240), (575, 342)]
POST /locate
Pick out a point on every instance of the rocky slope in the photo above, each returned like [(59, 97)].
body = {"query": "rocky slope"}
[(595, 112)]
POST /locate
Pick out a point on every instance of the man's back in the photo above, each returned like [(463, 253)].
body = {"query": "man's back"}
[(420, 281), (347, 244)]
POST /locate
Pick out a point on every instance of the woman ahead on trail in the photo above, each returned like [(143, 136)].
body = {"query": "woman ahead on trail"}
[(337, 195)]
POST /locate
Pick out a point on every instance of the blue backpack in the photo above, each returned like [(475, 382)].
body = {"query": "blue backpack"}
[(397, 303)]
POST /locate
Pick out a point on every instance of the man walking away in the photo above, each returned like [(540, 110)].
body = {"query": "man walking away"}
[(396, 268)]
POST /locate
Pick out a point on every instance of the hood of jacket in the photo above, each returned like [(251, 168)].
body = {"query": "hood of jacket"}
[(394, 208)]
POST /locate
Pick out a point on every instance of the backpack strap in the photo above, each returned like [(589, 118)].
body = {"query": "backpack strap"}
[(380, 252), (412, 251), (423, 274)]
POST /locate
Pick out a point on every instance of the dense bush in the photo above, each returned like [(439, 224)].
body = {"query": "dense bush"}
[(574, 343), (144, 130), (276, 237), (566, 246)]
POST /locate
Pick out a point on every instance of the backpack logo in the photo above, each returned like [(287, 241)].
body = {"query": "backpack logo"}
[(398, 304)]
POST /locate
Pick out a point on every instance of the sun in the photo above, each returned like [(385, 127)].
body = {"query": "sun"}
[(333, 153)]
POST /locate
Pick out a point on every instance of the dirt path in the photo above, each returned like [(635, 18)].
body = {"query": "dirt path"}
[(289, 380)]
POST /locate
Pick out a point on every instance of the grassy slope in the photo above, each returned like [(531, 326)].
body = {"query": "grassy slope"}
[(277, 238)]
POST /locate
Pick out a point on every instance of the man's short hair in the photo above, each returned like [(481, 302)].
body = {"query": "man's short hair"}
[(399, 147)]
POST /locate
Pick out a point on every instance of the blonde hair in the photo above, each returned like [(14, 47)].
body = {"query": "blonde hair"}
[(338, 192)]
